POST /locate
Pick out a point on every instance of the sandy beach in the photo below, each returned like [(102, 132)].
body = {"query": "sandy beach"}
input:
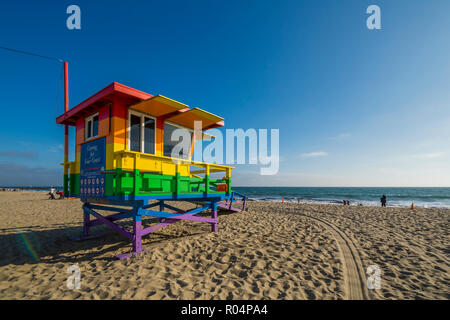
[(273, 251)]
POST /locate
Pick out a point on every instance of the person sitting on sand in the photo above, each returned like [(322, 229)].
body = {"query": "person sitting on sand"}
[(60, 194), (383, 200)]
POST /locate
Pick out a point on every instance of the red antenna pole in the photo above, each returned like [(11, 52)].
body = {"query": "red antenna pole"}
[(66, 129), (66, 86)]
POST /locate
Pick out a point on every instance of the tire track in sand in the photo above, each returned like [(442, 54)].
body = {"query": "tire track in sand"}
[(354, 275), (418, 244)]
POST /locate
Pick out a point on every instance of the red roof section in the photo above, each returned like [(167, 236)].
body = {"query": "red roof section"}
[(98, 98)]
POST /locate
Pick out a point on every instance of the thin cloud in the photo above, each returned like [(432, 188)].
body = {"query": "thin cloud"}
[(18, 154), (432, 155), (58, 148), (14, 174), (314, 154)]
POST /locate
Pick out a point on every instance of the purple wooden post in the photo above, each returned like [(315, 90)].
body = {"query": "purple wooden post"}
[(214, 226), (137, 230), (86, 221)]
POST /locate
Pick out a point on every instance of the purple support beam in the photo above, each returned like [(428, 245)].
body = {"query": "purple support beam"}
[(137, 238), (175, 216), (157, 226), (167, 218), (137, 230), (113, 217), (116, 227), (169, 221)]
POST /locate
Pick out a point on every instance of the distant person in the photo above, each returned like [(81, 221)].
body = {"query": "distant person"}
[(345, 202), (383, 200), (52, 193), (348, 202)]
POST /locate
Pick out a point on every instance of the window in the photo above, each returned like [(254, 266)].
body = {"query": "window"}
[(169, 144), (142, 133), (135, 133), (149, 135), (91, 127)]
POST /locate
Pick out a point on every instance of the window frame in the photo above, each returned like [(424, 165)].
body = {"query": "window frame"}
[(86, 121), (179, 127), (141, 115)]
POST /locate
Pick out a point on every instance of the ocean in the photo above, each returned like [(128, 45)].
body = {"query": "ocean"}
[(423, 197), (28, 188)]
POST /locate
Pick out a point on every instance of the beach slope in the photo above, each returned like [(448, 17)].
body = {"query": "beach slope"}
[(273, 251)]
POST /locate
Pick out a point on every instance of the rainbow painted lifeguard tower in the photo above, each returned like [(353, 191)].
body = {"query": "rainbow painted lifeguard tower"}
[(123, 158)]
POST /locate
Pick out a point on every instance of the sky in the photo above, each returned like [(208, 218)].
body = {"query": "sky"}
[(354, 107)]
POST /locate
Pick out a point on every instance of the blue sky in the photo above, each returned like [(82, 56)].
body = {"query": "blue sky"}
[(355, 107)]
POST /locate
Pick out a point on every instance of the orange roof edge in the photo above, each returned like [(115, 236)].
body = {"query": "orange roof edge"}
[(215, 125), (109, 89), (116, 87)]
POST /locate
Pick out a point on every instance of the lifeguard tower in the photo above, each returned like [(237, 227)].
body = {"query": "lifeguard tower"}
[(124, 158)]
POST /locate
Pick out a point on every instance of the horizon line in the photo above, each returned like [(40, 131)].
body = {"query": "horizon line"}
[(340, 186)]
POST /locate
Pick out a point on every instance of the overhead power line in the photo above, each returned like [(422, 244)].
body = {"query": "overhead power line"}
[(31, 54), (40, 56)]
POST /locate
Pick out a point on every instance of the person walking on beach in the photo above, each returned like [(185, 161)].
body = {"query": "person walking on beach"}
[(383, 200), (52, 193)]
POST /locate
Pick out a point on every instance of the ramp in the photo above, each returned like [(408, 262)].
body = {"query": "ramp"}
[(236, 202)]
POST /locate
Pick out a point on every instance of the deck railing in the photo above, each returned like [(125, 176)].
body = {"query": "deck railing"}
[(144, 165), (137, 165)]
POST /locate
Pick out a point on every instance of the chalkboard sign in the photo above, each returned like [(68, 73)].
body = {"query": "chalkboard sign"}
[(92, 166)]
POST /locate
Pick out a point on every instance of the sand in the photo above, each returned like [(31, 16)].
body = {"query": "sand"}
[(273, 251)]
